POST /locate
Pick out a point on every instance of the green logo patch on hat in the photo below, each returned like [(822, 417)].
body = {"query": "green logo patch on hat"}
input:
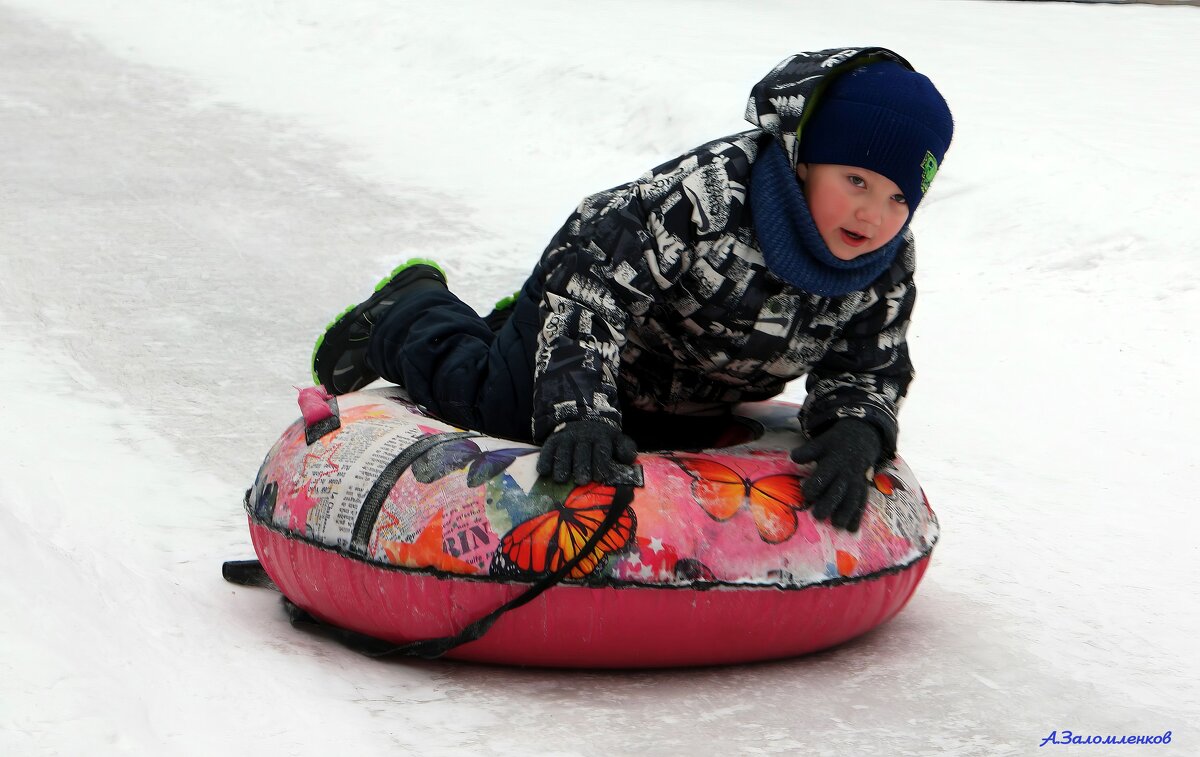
[(929, 169)]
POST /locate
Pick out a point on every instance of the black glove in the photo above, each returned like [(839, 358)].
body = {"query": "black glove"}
[(585, 448), (837, 489)]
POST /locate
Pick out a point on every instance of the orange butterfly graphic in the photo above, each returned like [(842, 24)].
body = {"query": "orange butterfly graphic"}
[(888, 484), (772, 500), (546, 542)]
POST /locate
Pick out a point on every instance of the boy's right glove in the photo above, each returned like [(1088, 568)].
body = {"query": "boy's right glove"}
[(586, 449)]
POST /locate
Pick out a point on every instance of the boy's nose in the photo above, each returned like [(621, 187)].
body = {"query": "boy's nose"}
[(870, 213)]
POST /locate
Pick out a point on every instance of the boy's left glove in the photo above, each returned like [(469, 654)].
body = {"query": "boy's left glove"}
[(837, 489), (586, 449)]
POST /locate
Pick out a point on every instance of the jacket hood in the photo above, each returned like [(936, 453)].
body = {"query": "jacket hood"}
[(784, 99)]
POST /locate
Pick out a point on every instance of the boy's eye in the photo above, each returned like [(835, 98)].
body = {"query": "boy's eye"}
[(900, 199), (857, 180)]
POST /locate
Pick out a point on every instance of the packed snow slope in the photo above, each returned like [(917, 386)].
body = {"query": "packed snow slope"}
[(189, 193)]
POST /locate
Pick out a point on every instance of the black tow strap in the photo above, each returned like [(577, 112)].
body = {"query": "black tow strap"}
[(368, 514), (252, 573)]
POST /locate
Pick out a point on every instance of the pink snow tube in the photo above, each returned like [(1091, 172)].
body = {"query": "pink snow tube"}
[(375, 518)]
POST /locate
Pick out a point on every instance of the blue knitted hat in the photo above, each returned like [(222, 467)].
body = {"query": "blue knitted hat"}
[(885, 118)]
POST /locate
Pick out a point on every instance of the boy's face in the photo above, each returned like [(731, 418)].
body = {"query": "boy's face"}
[(856, 210)]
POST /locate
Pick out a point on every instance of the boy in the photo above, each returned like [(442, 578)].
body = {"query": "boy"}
[(713, 279)]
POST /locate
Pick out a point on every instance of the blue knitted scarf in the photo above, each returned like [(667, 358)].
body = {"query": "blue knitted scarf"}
[(788, 236)]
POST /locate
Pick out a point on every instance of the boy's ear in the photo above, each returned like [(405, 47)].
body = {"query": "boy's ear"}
[(802, 171)]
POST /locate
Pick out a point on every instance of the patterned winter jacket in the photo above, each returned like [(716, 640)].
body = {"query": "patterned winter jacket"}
[(656, 294)]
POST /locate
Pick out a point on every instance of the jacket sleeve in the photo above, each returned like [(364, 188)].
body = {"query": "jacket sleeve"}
[(603, 271), (867, 371), (613, 260), (583, 321)]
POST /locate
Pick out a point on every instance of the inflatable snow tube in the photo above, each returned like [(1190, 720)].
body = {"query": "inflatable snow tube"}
[(375, 518)]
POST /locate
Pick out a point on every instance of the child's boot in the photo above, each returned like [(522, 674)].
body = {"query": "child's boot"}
[(502, 311), (339, 361)]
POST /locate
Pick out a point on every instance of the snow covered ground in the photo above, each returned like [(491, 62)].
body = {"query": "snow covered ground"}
[(188, 194)]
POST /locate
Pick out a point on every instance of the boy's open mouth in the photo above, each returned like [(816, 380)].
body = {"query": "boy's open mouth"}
[(852, 239)]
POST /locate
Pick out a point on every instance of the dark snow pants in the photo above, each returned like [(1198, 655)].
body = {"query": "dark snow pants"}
[(446, 356)]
